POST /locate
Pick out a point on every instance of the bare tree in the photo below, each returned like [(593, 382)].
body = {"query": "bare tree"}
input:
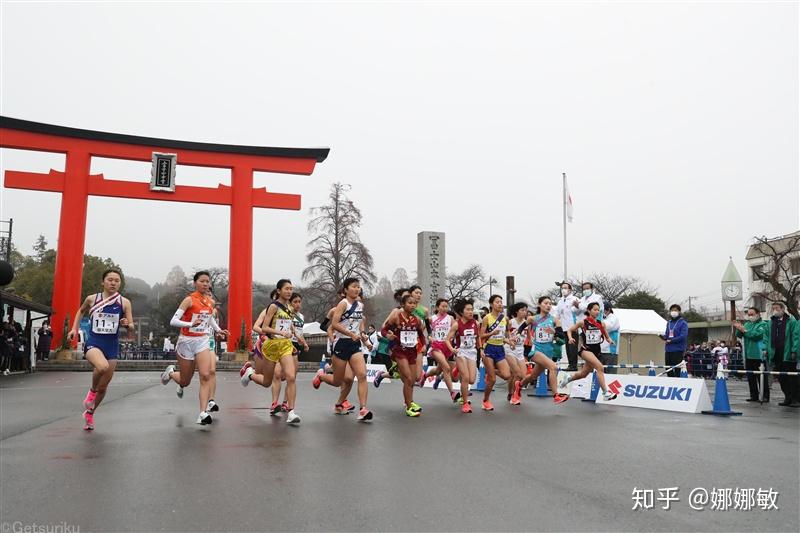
[(470, 283), (336, 250), (615, 286), (400, 279), (777, 273)]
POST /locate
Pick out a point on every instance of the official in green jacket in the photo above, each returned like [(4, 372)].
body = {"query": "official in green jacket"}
[(755, 333), (783, 345)]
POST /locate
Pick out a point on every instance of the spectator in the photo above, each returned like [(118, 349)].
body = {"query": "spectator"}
[(782, 347), (588, 295), (44, 341), (565, 311), (372, 337), (754, 333), (720, 352), (608, 352), (675, 338)]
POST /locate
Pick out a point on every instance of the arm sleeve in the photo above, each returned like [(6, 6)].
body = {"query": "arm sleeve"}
[(213, 323), (176, 321)]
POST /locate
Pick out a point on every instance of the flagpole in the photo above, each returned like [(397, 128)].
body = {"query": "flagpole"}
[(564, 202)]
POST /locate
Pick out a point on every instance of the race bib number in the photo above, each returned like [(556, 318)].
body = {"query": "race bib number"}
[(543, 336), (593, 336), (408, 339), (105, 323), (439, 334), (352, 326), (283, 324), (202, 327), (468, 339), (498, 333)]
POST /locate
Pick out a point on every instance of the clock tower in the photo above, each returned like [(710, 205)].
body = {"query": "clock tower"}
[(731, 292)]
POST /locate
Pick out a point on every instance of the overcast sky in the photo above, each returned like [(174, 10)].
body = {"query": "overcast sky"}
[(677, 126)]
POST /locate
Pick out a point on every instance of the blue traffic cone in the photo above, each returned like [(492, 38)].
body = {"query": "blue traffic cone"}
[(595, 388), (322, 362), (722, 406), (481, 384), (684, 373), (541, 386), (651, 371)]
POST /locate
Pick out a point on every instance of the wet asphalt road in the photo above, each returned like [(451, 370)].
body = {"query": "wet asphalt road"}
[(537, 467)]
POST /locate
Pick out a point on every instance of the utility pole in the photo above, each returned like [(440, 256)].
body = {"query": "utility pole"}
[(510, 291)]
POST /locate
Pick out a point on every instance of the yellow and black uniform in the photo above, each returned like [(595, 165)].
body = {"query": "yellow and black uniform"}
[(277, 346)]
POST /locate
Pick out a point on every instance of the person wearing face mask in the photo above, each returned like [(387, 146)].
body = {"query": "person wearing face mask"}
[(589, 295), (675, 338), (565, 311), (608, 351), (783, 344), (754, 332)]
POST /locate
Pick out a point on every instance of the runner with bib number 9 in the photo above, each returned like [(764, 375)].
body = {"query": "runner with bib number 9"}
[(108, 311), (590, 340)]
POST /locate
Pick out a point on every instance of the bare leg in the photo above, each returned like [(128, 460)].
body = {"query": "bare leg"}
[(346, 386), (442, 366), (207, 375), (488, 363), (543, 362), (290, 373), (360, 373), (185, 372), (408, 373), (276, 384)]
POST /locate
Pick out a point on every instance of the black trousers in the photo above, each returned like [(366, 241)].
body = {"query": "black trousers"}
[(672, 359), (572, 356), (789, 384), (754, 380)]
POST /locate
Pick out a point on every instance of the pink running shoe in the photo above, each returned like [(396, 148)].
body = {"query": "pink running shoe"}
[(244, 368), (89, 419), (88, 402), (349, 406), (364, 415), (317, 381), (466, 408)]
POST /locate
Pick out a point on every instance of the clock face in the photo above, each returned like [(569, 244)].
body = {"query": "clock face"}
[(731, 291)]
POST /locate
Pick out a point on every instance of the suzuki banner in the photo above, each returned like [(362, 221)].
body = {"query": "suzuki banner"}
[(686, 395)]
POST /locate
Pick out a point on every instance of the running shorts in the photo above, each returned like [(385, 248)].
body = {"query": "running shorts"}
[(494, 352), (188, 347), (274, 349), (109, 347), (344, 348)]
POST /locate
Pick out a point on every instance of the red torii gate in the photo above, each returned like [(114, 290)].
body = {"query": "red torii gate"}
[(76, 184)]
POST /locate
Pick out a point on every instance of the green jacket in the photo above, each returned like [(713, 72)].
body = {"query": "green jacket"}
[(792, 342), (754, 338)]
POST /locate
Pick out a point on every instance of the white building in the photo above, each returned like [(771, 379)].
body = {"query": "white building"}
[(761, 294)]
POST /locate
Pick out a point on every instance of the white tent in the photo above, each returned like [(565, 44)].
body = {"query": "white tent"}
[(640, 322), (312, 328), (639, 330)]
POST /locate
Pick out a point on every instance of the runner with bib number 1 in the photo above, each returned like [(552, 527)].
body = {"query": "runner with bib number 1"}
[(108, 311), (404, 330)]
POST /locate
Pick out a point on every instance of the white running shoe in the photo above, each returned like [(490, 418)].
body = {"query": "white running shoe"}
[(204, 418), (165, 374), (246, 376), (608, 396), (563, 380), (212, 406), (179, 391), (292, 418)]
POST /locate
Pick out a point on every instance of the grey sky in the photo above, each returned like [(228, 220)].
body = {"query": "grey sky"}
[(677, 126)]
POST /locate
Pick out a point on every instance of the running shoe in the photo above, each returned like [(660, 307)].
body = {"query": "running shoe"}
[(339, 409), (515, 400), (415, 406), (560, 398), (364, 415), (245, 372), (378, 379), (436, 382), (293, 418), (518, 389), (608, 396), (563, 380), (461, 401), (466, 408), (212, 406), (411, 412), (487, 406), (317, 381), (179, 391), (165, 374), (455, 395), (204, 418), (275, 410), (349, 406), (88, 402), (246, 375), (421, 380), (88, 418)]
